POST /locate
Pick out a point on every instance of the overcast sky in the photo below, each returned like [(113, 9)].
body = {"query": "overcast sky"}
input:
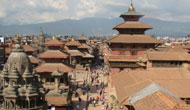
[(39, 11)]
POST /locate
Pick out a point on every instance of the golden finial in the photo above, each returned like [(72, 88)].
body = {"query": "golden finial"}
[(72, 39), (19, 35), (131, 8), (53, 37)]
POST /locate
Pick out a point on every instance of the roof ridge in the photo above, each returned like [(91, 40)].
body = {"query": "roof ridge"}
[(151, 89), (132, 76)]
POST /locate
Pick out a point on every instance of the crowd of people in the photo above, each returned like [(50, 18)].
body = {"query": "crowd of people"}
[(95, 97), (99, 98)]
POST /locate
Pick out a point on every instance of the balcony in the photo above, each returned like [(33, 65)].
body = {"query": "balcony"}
[(127, 51)]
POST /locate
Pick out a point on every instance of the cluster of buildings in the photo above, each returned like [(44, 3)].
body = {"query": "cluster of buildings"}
[(38, 73), (144, 73)]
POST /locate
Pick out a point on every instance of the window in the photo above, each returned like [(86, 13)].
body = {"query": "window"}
[(52, 80), (134, 46), (133, 52), (47, 80), (121, 69), (61, 80), (167, 64), (121, 46)]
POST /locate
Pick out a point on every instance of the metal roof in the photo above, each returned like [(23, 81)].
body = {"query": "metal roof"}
[(152, 88), (132, 14)]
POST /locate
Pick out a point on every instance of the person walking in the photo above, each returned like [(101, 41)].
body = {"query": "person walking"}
[(107, 106), (103, 107), (79, 99), (94, 103), (90, 100), (97, 98)]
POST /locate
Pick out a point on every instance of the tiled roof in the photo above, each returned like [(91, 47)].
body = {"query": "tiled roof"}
[(168, 56), (28, 48), (8, 50), (161, 73), (135, 38), (120, 80), (132, 25), (53, 67), (53, 42), (84, 46), (187, 46), (177, 86), (53, 54), (171, 85), (75, 53), (34, 60), (150, 89), (159, 101), (178, 48), (82, 38), (128, 83), (73, 43)]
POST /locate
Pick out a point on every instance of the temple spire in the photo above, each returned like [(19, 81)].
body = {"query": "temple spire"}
[(41, 31), (18, 38), (131, 8), (41, 39), (82, 33), (18, 47)]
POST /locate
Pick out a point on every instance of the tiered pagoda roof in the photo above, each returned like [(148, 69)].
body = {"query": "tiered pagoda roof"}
[(82, 37), (132, 31), (54, 42), (53, 67), (75, 53), (73, 43), (132, 25), (53, 54), (128, 38), (84, 46), (28, 48)]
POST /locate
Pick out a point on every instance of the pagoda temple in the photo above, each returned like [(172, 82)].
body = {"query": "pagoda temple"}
[(129, 46), (53, 72)]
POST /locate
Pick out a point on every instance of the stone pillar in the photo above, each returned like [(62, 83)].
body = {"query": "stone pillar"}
[(70, 60), (34, 102), (56, 84)]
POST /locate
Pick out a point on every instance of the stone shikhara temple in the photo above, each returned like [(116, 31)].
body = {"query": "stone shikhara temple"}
[(20, 87)]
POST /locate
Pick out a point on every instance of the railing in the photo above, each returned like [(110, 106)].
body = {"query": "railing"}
[(122, 65), (127, 49)]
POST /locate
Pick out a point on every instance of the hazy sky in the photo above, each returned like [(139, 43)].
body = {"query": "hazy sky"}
[(38, 11)]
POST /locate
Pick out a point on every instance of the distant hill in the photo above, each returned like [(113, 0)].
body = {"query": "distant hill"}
[(97, 26)]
